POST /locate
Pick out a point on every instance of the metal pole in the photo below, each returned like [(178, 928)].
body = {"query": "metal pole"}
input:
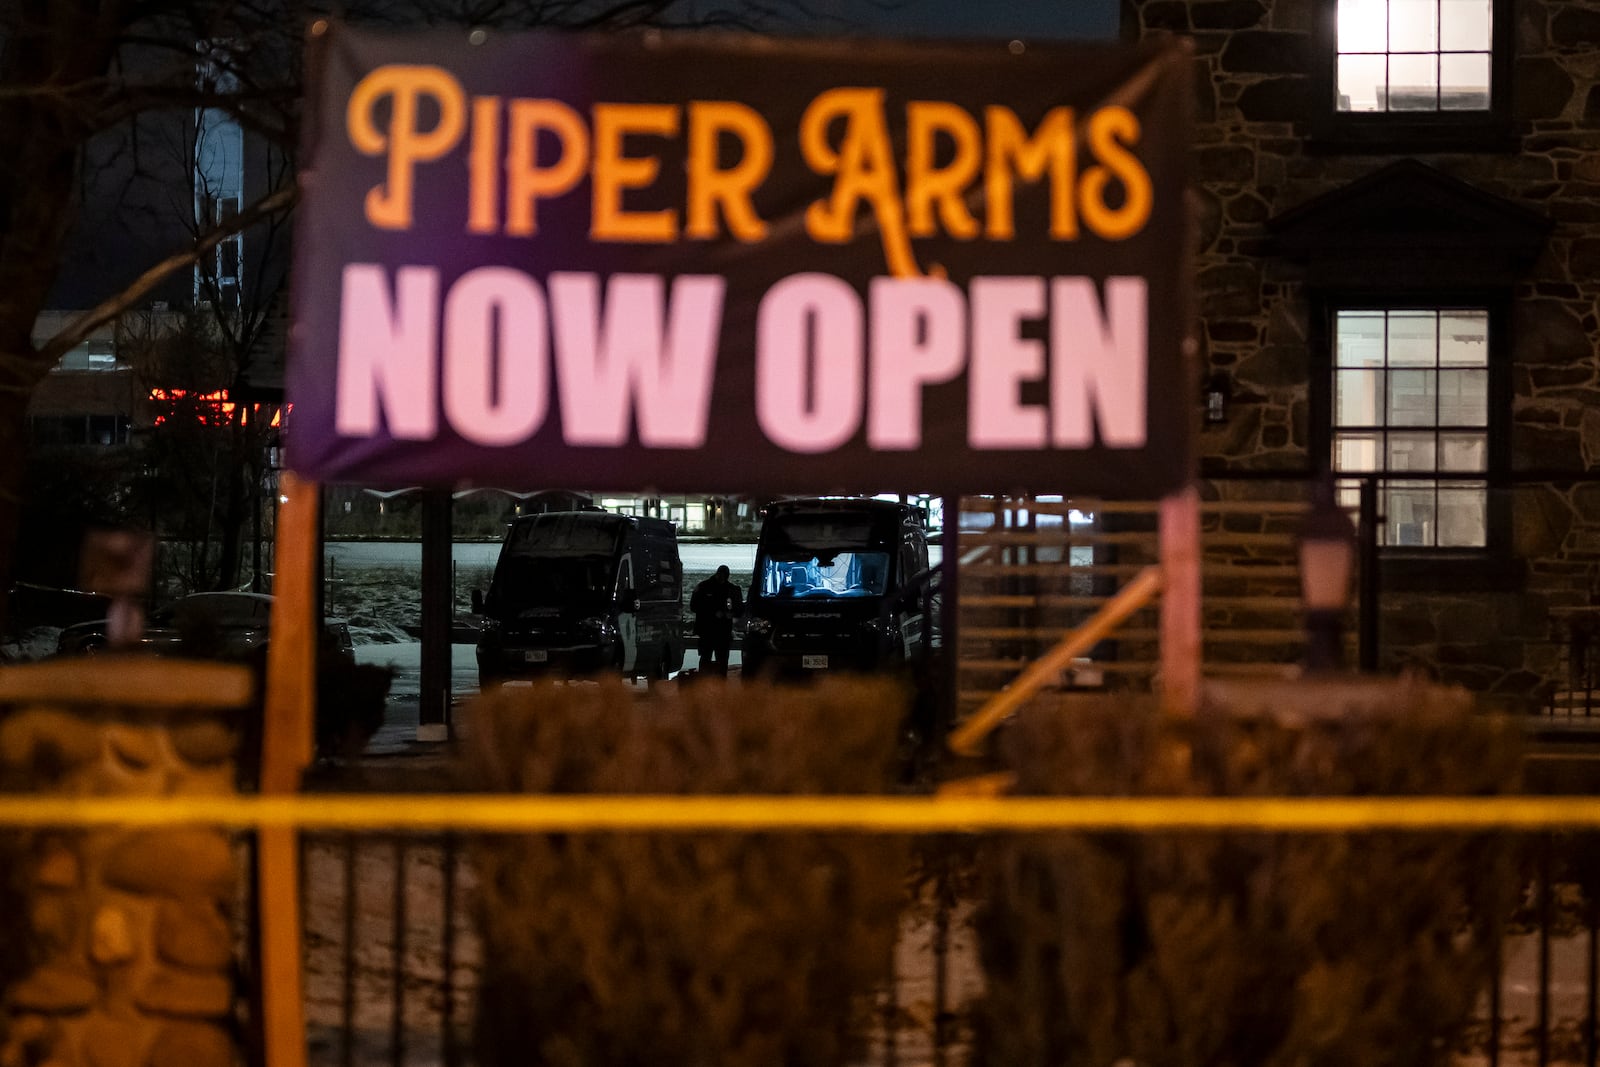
[(1324, 642), (347, 1001), (1546, 891), (949, 611), (1367, 617), (438, 616), (255, 513), (447, 954), (1591, 976), (397, 960)]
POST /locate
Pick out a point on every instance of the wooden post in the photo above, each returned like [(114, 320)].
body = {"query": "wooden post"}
[(286, 742), (286, 749), (1180, 602)]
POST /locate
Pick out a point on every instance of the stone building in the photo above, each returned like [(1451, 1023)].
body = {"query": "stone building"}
[(1398, 279)]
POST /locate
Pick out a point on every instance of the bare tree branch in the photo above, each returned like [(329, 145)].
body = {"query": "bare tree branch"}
[(78, 330)]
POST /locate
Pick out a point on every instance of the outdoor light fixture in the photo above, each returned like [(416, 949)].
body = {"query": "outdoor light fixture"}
[(1327, 558), (1219, 390)]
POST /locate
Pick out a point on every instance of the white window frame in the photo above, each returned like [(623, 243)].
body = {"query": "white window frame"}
[(1433, 458)]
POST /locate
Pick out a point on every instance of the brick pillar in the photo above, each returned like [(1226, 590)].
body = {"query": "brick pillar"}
[(134, 927)]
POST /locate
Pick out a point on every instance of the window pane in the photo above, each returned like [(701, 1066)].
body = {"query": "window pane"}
[(1464, 82), (1463, 509), (1412, 26), (1463, 452), (1464, 398), (1359, 398), (1361, 82), (1409, 509), (1349, 495), (103, 430), (1413, 397), (1363, 25), (1356, 452), (1414, 82), (1400, 377), (1464, 338), (1413, 338), (1359, 338), (1464, 25), (1411, 452)]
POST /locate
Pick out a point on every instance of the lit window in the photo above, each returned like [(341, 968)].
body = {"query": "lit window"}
[(1411, 403), (93, 355), (1414, 55)]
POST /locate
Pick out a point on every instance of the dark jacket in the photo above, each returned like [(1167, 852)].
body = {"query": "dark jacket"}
[(716, 603)]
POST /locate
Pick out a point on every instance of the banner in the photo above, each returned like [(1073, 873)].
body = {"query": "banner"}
[(710, 263)]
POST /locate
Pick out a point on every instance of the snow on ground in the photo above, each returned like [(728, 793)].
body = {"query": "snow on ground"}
[(377, 586), (35, 644)]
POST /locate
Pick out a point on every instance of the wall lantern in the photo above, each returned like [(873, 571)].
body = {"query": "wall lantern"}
[(1327, 559), (1218, 392)]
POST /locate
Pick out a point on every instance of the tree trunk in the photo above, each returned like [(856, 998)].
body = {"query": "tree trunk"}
[(66, 45), (13, 473)]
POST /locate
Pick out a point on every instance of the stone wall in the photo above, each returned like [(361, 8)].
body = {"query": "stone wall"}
[(134, 936), (1253, 161)]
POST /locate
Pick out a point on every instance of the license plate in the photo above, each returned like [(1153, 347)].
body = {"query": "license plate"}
[(814, 663), (536, 655)]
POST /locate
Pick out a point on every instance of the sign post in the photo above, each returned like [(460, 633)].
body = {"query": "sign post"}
[(286, 750)]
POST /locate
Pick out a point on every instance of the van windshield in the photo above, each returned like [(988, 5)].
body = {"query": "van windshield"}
[(813, 556), (526, 581), (580, 534), (556, 560)]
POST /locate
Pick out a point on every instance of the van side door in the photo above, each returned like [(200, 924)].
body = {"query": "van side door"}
[(627, 621), (913, 565)]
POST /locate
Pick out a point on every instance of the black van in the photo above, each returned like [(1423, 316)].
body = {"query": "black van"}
[(578, 592), (836, 587)]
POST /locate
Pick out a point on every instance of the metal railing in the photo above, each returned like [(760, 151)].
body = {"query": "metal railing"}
[(393, 959)]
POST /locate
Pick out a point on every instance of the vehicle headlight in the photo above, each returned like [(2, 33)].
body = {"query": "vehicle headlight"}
[(595, 623), (759, 627)]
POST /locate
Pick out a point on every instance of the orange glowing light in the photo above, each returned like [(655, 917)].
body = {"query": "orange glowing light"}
[(215, 409)]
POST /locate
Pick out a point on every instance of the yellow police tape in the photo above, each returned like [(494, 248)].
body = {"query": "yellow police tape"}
[(860, 814)]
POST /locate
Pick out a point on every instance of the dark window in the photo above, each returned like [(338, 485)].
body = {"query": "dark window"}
[(96, 430), (108, 430)]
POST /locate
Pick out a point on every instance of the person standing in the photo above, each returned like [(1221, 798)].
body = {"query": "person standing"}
[(716, 603)]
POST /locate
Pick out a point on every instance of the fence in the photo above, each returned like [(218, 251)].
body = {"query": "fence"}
[(414, 1006), (391, 951), (392, 960), (392, 965)]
